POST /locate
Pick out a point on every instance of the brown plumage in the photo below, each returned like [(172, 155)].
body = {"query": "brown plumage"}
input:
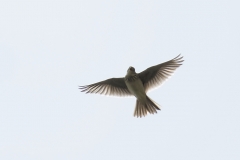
[(137, 84)]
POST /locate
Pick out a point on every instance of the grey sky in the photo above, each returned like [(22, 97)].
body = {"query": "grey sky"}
[(48, 48)]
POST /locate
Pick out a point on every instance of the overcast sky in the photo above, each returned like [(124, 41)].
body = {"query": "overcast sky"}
[(50, 47)]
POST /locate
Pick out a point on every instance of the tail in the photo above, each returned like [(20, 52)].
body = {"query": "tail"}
[(150, 106)]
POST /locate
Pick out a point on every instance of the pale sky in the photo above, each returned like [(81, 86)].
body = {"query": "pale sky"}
[(50, 47)]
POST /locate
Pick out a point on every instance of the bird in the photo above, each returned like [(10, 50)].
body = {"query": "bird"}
[(137, 84)]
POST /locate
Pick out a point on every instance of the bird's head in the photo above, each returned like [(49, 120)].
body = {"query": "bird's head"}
[(131, 70)]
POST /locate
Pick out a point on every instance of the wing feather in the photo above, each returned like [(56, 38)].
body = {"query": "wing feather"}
[(112, 86), (156, 75)]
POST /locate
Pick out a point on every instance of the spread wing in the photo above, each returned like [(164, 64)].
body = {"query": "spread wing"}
[(112, 86), (156, 75)]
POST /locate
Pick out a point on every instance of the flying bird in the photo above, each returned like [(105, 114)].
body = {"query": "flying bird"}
[(137, 84)]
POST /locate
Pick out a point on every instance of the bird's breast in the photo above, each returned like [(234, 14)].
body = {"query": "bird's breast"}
[(135, 86)]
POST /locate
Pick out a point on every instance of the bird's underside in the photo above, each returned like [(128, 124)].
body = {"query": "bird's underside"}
[(150, 78)]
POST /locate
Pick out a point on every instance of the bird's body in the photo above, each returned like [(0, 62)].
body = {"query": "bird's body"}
[(137, 84)]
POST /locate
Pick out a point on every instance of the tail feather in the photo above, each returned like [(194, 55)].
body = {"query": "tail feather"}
[(150, 106)]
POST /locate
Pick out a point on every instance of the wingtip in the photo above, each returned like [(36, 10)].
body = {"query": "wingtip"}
[(178, 57), (82, 87)]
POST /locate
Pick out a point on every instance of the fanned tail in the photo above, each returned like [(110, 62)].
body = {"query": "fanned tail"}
[(150, 106)]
